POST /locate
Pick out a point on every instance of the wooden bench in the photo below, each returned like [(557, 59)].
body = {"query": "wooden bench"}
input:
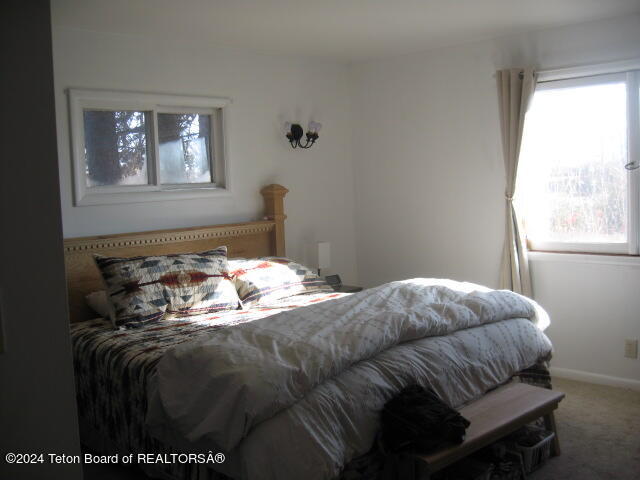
[(494, 416)]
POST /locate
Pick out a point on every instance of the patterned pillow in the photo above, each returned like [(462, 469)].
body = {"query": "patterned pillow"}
[(144, 289), (261, 280)]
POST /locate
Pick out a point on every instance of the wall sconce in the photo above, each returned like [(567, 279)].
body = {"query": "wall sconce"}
[(294, 133)]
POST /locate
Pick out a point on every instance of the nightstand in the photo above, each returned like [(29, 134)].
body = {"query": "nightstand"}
[(347, 289)]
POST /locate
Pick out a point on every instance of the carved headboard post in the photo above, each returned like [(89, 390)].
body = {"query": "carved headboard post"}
[(274, 210)]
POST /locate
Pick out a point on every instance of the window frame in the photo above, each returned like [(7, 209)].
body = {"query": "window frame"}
[(629, 72), (83, 99)]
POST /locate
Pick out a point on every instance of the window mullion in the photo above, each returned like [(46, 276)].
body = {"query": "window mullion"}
[(155, 148), (633, 149)]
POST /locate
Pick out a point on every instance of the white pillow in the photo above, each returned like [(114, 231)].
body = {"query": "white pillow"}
[(99, 303), (265, 279)]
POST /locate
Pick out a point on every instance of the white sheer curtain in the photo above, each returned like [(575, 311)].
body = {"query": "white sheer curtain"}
[(515, 91)]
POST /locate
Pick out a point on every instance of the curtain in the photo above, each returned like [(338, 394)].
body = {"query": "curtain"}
[(515, 91)]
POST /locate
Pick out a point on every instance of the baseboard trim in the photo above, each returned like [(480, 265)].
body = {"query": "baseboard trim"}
[(595, 378)]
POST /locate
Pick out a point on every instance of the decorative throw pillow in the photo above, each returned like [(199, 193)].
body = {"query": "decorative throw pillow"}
[(261, 280), (144, 289)]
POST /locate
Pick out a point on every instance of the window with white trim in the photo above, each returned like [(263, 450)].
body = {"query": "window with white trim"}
[(578, 179), (135, 147)]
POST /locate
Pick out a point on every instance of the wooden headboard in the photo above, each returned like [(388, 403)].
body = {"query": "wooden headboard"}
[(249, 239)]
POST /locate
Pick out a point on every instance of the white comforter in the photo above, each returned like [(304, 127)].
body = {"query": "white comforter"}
[(297, 395)]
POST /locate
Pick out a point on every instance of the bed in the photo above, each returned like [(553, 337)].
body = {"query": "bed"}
[(298, 381)]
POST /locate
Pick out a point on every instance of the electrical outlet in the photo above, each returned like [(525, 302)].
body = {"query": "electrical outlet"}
[(631, 348)]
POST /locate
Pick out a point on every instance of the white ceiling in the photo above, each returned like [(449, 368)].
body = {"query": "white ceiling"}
[(346, 30)]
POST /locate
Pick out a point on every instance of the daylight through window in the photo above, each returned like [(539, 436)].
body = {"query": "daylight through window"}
[(574, 191)]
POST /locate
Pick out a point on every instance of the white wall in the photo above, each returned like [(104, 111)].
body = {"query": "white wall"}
[(430, 183), (593, 307), (266, 91)]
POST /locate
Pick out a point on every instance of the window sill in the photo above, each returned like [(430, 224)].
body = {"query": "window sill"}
[(151, 196), (586, 258)]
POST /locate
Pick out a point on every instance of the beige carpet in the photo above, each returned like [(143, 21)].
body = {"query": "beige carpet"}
[(599, 431), (598, 426)]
